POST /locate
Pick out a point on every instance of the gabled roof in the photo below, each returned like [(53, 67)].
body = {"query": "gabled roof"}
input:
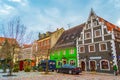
[(109, 25), (10, 40), (68, 37)]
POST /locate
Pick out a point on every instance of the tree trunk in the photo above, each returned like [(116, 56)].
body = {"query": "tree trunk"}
[(4, 66)]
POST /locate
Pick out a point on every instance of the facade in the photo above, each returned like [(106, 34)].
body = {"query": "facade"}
[(64, 51), (26, 52), (46, 42), (98, 45), (11, 41)]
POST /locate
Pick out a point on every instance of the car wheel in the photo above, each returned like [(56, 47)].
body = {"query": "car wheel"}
[(70, 71), (57, 71)]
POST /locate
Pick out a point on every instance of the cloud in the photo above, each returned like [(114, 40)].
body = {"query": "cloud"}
[(118, 22), (22, 2), (5, 9)]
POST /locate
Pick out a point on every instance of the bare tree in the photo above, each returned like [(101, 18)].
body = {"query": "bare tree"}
[(15, 30)]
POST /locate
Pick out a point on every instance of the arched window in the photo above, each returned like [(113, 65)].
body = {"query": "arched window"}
[(104, 65)]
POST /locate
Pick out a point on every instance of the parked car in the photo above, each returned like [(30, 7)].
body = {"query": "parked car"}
[(51, 64), (70, 69)]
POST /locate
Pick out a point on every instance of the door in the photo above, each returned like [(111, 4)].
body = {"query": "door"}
[(92, 65), (83, 66)]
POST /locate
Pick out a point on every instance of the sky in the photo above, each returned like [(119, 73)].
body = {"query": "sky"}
[(48, 15)]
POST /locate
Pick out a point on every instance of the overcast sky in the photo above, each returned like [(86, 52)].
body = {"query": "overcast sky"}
[(48, 15)]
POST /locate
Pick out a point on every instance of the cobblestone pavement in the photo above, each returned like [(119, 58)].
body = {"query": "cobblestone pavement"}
[(59, 76)]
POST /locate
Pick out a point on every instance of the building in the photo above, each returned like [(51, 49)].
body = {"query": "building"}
[(46, 42), (26, 52), (64, 50), (98, 45), (11, 41)]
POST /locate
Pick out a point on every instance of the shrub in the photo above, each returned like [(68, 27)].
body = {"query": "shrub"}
[(27, 68), (34, 68), (40, 68), (16, 68)]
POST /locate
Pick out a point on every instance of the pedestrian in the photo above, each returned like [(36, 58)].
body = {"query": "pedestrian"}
[(115, 70)]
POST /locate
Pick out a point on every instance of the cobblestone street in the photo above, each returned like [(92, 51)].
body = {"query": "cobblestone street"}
[(59, 76)]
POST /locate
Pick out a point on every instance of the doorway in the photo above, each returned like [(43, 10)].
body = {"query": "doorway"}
[(83, 65), (92, 65)]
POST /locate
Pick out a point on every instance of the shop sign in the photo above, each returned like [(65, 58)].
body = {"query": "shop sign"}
[(95, 57)]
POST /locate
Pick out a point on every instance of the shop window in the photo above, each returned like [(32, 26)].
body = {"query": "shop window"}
[(72, 62), (59, 63), (105, 64)]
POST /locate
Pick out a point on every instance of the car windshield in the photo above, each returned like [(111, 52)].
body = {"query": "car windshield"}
[(68, 66)]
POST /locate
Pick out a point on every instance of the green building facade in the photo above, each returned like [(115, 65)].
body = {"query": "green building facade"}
[(64, 56), (64, 51)]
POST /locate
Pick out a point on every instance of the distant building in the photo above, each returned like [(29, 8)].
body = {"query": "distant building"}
[(11, 41), (26, 52), (46, 42)]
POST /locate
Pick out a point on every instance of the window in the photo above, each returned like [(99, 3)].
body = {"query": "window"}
[(64, 52), (59, 63), (104, 65), (59, 53), (97, 33), (88, 26), (87, 35), (103, 47), (81, 49), (91, 48), (71, 51), (95, 23), (72, 62)]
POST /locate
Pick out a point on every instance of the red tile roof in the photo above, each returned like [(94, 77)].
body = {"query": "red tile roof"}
[(109, 25), (10, 40)]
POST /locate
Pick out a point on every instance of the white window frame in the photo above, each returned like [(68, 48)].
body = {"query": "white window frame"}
[(83, 49), (95, 64), (86, 34), (88, 26), (108, 65), (95, 33), (100, 46), (95, 23), (89, 47)]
